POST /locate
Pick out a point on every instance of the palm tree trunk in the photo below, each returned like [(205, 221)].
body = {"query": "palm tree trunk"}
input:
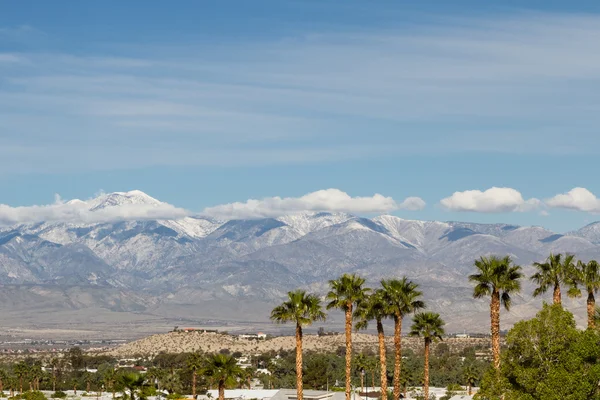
[(348, 350), (21, 384), (469, 390), (382, 360), (426, 370), (591, 310), (194, 383), (556, 297), (221, 389), (495, 321), (397, 354), (299, 384)]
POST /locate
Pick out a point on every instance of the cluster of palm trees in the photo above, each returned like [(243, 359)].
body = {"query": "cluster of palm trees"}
[(395, 299), (498, 278), (495, 277)]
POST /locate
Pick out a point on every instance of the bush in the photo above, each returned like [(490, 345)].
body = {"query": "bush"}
[(59, 395), (175, 396), (30, 395)]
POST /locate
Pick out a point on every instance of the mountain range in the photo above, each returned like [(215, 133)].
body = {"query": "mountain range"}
[(144, 274)]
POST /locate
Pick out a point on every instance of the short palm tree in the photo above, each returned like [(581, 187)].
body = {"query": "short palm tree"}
[(131, 383), (54, 363), (194, 363), (430, 327), (346, 292), (498, 278), (3, 379), (223, 369), (374, 308), (109, 378), (302, 309), (470, 377), (21, 370), (171, 382), (557, 269), (586, 275), (402, 298)]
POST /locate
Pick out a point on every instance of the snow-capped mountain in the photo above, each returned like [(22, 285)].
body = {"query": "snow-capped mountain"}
[(184, 266)]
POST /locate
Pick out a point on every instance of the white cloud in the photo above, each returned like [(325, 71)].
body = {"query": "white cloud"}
[(577, 198), (77, 211), (493, 200), (333, 200)]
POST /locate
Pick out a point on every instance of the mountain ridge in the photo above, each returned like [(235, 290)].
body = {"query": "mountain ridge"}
[(189, 264)]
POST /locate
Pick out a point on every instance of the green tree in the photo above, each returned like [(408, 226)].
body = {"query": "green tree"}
[(171, 382), (132, 383), (223, 369), (194, 363), (109, 378), (54, 363), (586, 275), (402, 298), (470, 377), (302, 309), (547, 358), (347, 292), (375, 308), (430, 327), (76, 358), (21, 370), (557, 269), (498, 278)]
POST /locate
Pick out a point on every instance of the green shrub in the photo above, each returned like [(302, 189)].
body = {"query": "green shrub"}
[(30, 395), (175, 396), (59, 395)]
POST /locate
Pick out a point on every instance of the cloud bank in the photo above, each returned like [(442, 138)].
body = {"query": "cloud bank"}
[(332, 200), (493, 200), (86, 212), (578, 198)]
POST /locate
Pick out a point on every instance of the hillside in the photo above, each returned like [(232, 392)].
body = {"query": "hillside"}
[(178, 342)]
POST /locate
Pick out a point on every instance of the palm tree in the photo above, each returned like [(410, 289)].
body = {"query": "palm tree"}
[(346, 292), (21, 370), (374, 308), (401, 298), (194, 363), (3, 379), (470, 376), (131, 382), (11, 381), (110, 376), (74, 384), (552, 273), (588, 276), (171, 382), (222, 368), (302, 309), (430, 327), (360, 365), (54, 363), (498, 278), (88, 378)]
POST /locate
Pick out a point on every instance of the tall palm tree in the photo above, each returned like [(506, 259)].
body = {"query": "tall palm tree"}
[(430, 327), (470, 376), (3, 379), (498, 278), (222, 368), (346, 292), (401, 297), (132, 383), (194, 363), (374, 308), (588, 276), (557, 269), (302, 309)]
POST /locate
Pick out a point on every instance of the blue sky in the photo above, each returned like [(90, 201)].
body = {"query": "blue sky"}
[(206, 103)]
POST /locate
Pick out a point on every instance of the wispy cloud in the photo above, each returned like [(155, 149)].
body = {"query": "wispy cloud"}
[(493, 200), (503, 84), (332, 200)]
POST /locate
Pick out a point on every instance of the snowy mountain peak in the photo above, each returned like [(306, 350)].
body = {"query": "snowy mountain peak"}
[(307, 222), (116, 199)]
